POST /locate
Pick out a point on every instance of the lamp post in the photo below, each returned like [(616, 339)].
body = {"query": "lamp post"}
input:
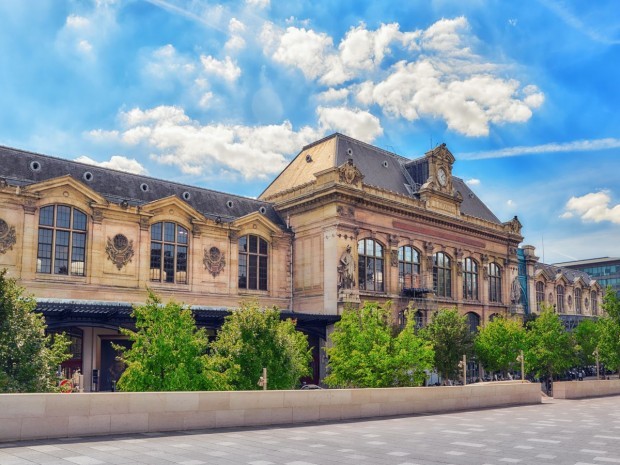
[(262, 381), (521, 358), (463, 365), (595, 353)]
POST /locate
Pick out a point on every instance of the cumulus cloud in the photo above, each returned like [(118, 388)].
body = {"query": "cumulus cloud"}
[(593, 207), (227, 69), (356, 123), (438, 73), (473, 182), (236, 29), (258, 3), (117, 162)]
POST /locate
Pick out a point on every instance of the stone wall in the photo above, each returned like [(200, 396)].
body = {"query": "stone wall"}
[(32, 416), (581, 389)]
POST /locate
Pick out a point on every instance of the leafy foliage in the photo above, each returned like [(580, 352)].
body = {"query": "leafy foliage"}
[(28, 358), (167, 352), (367, 353), (498, 344), (448, 332), (609, 331), (549, 346), (587, 340), (252, 339)]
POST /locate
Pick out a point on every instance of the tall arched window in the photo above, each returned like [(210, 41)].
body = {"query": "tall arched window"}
[(370, 268), (408, 267), (594, 299), (578, 301), (470, 279), (62, 240), (540, 294), (495, 283), (169, 251), (253, 262), (473, 321), (560, 299), (442, 275)]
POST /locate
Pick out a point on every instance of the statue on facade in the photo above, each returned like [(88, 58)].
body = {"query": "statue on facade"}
[(515, 292), (346, 270)]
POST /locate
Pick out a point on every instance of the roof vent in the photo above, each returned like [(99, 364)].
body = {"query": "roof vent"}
[(229, 203), (308, 158), (385, 163), (87, 176), (125, 204), (144, 187), (35, 166), (349, 151), (263, 210), (186, 195), (471, 195)]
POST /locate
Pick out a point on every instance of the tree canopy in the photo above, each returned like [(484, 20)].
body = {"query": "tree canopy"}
[(587, 335), (449, 334), (28, 357), (368, 351), (168, 351), (499, 342), (252, 339)]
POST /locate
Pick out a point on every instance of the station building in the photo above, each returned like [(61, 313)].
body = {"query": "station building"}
[(344, 222)]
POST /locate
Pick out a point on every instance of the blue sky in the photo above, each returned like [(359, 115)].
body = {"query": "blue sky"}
[(223, 95)]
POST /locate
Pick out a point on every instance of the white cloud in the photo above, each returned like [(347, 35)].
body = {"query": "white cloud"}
[(236, 28), (177, 140), (553, 147), (77, 22), (226, 69), (258, 3), (473, 182), (438, 74), (331, 95), (117, 162), (593, 207), (356, 123)]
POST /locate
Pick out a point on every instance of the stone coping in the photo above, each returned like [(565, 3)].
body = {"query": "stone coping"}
[(586, 388), (36, 416)]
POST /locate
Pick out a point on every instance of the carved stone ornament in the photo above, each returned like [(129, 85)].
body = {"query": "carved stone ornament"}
[(349, 173), (97, 215), (394, 257), (345, 211), (214, 261), (120, 250), (7, 236), (429, 247), (144, 223)]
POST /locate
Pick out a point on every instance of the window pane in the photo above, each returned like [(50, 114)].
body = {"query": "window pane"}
[(252, 271), (401, 254), (169, 232), (169, 262), (361, 275), (156, 261), (360, 248), (370, 250), (379, 275), (262, 273), (63, 217), (78, 254), (61, 253), (156, 232), (243, 244), (253, 244), (243, 271), (44, 252), (46, 216), (263, 247), (378, 250), (79, 220), (181, 235), (181, 265)]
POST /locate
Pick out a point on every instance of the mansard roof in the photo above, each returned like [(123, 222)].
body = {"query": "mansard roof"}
[(380, 168), (22, 168), (571, 275)]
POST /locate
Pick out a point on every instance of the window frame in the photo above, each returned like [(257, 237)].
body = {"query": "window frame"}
[(578, 301), (594, 302), (540, 294), (371, 256), (442, 275), (559, 293), (495, 283), (257, 280), (62, 244), (470, 279), (160, 273), (404, 265)]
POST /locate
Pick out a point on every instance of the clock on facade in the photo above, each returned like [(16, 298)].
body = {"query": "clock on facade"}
[(442, 177)]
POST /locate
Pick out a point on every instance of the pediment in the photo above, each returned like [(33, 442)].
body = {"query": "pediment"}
[(66, 183), (176, 204), (561, 278), (254, 218)]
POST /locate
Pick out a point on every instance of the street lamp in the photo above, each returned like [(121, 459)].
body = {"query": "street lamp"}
[(595, 353), (463, 365)]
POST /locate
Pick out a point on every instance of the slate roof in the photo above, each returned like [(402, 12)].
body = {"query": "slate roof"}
[(571, 274), (116, 186), (390, 171)]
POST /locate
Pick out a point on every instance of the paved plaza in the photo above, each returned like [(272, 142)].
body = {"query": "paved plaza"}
[(576, 432)]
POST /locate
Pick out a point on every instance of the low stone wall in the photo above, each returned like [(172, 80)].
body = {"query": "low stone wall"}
[(32, 416), (589, 388)]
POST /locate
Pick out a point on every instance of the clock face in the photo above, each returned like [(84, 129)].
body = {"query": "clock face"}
[(442, 177)]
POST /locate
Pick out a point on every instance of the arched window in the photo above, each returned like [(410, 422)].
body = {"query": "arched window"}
[(62, 240), (540, 294), (442, 275), (408, 267), (419, 319), (578, 301), (594, 299), (370, 267), (495, 283), (560, 299), (473, 321), (253, 261), (169, 252), (494, 316), (470, 279)]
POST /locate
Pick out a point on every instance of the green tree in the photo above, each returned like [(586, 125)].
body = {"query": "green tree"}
[(367, 351), (609, 342), (550, 348), (449, 334), (252, 339), (499, 343), (167, 352), (587, 340), (611, 304), (28, 358)]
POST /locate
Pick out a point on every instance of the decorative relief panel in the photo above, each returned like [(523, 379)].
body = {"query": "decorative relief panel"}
[(394, 257), (345, 211), (350, 174), (120, 250), (214, 261), (7, 236)]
